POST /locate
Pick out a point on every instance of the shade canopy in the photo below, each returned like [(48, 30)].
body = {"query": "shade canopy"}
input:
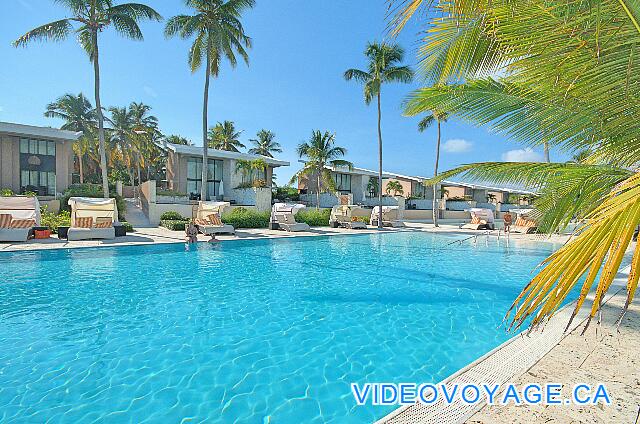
[(84, 207), (207, 208), (483, 214), (21, 207), (294, 208)]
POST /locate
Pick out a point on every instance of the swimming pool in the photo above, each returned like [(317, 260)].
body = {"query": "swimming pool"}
[(253, 331)]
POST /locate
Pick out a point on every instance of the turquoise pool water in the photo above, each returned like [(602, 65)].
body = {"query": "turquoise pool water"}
[(264, 331)]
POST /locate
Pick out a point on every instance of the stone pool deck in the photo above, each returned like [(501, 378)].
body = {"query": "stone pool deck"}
[(156, 235)]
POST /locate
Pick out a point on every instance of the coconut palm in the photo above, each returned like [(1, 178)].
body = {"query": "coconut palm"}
[(382, 68), (320, 154), (265, 144), (225, 137), (437, 117), (145, 132), (218, 34), (177, 139), (80, 116), (92, 17), (123, 138), (395, 187), (541, 74)]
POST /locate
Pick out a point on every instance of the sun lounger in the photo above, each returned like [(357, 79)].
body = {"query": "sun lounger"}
[(208, 218), (286, 221), (342, 216), (524, 225), (92, 218), (390, 217), (481, 219), (18, 216)]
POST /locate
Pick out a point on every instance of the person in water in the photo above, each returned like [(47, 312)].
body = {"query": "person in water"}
[(192, 233)]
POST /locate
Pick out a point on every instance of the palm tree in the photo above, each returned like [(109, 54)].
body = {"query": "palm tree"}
[(80, 116), (395, 187), (382, 67), (92, 18), (526, 75), (225, 137), (218, 33), (145, 131), (265, 144), (177, 139), (122, 137), (438, 117), (321, 154)]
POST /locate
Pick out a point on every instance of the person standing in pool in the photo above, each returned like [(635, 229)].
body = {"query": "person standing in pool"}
[(508, 220), (192, 233)]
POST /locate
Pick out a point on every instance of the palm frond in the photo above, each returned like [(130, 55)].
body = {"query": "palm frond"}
[(54, 31)]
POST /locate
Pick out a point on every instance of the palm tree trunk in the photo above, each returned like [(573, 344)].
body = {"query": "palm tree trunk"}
[(101, 143), (81, 169), (205, 111), (435, 174), (318, 193), (379, 162), (547, 157)]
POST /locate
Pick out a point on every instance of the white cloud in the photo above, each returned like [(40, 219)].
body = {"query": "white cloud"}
[(150, 91), (522, 155), (457, 145)]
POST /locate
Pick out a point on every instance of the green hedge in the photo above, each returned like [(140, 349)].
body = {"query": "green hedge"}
[(174, 225), (172, 216), (247, 218), (314, 217), (128, 227)]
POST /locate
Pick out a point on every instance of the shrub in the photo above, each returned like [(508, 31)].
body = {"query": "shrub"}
[(174, 225), (286, 193), (128, 227), (172, 193), (247, 218), (314, 217), (6, 192), (172, 216), (364, 219), (53, 221), (91, 190)]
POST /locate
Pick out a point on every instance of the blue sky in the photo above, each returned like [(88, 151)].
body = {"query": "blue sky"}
[(294, 83)]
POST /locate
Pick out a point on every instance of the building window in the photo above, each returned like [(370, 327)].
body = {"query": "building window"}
[(420, 191), (38, 166), (343, 183), (194, 177)]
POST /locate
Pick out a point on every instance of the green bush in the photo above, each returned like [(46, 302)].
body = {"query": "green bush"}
[(314, 217), (53, 221), (247, 218), (128, 227), (364, 219), (174, 193), (174, 225), (172, 216), (91, 190), (286, 193), (6, 192)]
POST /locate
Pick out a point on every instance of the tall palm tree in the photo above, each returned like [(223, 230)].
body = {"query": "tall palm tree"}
[(145, 131), (92, 17), (382, 67), (320, 154), (265, 144), (122, 138), (225, 137), (437, 117), (80, 116), (526, 75), (218, 34)]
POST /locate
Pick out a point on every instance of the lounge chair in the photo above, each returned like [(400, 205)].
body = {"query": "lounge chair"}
[(287, 222), (208, 218), (342, 216), (283, 218), (390, 217), (18, 216), (481, 219), (524, 225), (92, 218)]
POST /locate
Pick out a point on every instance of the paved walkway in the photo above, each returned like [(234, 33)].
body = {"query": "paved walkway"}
[(135, 216)]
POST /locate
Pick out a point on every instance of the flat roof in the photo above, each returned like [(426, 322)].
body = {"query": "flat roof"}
[(181, 149), (38, 132)]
